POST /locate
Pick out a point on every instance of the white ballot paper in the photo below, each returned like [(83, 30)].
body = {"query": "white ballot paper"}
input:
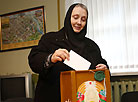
[(77, 62)]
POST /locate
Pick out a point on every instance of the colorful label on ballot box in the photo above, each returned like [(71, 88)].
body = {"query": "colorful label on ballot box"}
[(91, 91)]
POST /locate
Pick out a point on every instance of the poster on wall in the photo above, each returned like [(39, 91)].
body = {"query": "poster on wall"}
[(21, 29)]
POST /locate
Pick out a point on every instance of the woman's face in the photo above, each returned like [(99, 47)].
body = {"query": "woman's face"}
[(78, 19)]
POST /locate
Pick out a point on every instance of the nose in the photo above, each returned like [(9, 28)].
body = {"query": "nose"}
[(79, 21)]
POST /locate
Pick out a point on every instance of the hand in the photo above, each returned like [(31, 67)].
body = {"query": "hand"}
[(60, 55), (101, 66), (68, 100)]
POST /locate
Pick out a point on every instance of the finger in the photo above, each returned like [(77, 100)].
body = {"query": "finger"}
[(66, 56), (55, 58), (101, 66), (63, 53), (58, 58), (59, 55), (66, 53), (62, 56)]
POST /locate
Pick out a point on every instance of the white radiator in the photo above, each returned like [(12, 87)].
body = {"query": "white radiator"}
[(118, 88)]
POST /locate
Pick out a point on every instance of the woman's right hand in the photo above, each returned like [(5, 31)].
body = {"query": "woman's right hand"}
[(60, 55)]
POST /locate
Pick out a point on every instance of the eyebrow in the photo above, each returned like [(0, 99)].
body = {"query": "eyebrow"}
[(78, 15)]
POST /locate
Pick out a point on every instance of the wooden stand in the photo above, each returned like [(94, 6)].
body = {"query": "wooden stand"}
[(71, 80)]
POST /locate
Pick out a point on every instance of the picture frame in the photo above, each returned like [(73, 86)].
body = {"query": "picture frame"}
[(22, 29)]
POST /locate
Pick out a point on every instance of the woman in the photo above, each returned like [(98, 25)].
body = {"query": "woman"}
[(47, 58)]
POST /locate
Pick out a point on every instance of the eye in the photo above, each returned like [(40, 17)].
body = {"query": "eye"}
[(83, 19), (75, 16)]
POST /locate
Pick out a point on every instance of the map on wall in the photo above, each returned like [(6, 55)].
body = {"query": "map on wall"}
[(22, 28)]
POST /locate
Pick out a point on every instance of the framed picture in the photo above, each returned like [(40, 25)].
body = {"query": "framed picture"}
[(21, 29)]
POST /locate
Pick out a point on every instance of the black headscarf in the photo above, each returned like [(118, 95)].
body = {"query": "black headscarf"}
[(75, 39)]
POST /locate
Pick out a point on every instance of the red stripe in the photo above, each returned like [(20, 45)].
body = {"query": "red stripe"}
[(102, 97)]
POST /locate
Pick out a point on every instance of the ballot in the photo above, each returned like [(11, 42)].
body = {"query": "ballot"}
[(77, 62)]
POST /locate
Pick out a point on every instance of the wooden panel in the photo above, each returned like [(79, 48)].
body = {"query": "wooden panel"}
[(71, 80)]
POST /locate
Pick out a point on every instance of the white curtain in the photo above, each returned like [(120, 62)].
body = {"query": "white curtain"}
[(113, 25)]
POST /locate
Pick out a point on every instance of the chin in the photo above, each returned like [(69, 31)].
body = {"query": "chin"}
[(77, 31)]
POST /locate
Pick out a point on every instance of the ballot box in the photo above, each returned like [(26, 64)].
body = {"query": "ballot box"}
[(85, 86)]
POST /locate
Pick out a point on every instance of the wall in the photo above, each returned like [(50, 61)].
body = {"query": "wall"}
[(16, 62)]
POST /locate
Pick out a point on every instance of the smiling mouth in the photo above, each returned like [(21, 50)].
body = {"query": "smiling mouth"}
[(77, 28)]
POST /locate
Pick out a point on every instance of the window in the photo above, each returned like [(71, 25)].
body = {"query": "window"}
[(113, 25)]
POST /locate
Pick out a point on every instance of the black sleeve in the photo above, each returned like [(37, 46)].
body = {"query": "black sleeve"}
[(38, 55), (95, 53)]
